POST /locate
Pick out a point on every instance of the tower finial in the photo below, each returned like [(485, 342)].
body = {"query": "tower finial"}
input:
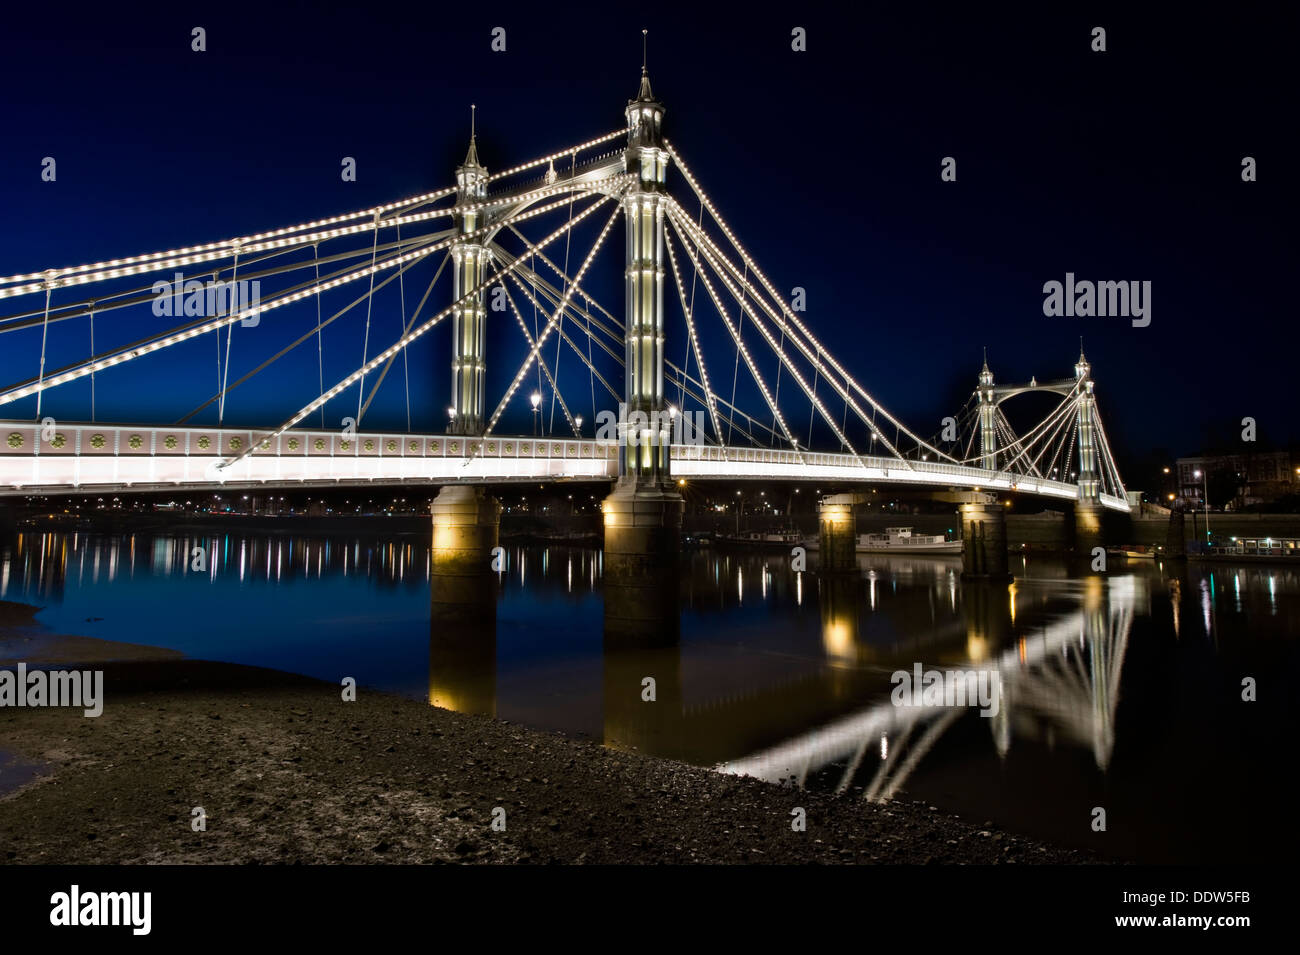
[(644, 48), (471, 155)]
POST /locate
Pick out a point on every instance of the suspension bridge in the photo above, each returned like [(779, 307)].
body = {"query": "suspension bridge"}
[(523, 248)]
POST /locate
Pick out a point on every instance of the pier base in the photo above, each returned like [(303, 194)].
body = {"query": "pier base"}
[(1176, 535), (643, 523), (1087, 529), (465, 527), (837, 552), (984, 537)]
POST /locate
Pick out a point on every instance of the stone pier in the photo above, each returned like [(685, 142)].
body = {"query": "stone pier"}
[(643, 523), (984, 536), (465, 527), (1176, 535), (1088, 528), (837, 551)]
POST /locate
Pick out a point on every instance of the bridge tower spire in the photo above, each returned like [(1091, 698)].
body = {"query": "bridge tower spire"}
[(1089, 483), (1087, 509), (645, 455), (643, 515), (469, 260), (988, 408)]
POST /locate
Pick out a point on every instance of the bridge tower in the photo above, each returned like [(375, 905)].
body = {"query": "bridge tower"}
[(988, 409), (643, 515), (469, 260), (465, 519), (1087, 510)]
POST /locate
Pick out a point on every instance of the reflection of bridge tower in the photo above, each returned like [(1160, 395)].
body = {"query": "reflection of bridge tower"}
[(1065, 675), (469, 317), (1076, 688), (643, 515)]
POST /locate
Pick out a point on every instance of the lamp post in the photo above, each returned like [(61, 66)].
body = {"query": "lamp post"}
[(577, 424), (536, 401)]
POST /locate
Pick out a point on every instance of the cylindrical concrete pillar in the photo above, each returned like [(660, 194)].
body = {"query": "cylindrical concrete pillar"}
[(643, 524), (838, 540), (1087, 528), (984, 541), (1176, 535), (465, 528)]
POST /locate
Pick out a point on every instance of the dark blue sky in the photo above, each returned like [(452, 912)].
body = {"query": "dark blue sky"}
[(1122, 165)]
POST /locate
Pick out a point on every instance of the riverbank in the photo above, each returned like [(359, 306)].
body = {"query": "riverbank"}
[(285, 771)]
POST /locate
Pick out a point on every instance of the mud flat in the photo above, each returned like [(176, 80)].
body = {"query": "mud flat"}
[(285, 771)]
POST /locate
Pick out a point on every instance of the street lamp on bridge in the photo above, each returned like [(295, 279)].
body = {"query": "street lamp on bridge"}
[(536, 401)]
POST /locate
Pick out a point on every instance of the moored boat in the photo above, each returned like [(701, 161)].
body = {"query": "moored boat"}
[(901, 540)]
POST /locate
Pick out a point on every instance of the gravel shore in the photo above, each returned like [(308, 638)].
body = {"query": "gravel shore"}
[(286, 772)]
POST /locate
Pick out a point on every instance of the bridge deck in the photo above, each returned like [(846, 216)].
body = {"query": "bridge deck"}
[(90, 458)]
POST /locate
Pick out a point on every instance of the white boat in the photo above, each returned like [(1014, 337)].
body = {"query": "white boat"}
[(901, 540), (764, 538)]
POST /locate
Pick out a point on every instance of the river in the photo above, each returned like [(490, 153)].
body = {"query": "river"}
[(1120, 692)]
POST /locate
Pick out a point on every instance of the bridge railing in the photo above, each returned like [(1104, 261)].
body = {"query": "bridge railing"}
[(76, 455), (702, 462), (70, 456)]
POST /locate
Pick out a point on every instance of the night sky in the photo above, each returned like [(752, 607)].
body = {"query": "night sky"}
[(1123, 165)]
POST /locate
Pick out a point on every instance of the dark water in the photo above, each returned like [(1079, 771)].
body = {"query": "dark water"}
[(1122, 692)]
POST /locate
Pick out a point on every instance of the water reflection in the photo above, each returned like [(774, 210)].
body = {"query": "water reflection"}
[(1119, 690)]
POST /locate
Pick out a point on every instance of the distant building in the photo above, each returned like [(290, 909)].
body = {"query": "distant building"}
[(1258, 477)]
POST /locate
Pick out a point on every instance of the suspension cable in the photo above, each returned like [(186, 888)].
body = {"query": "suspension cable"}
[(370, 303), (92, 352), (40, 375), (568, 240), (320, 345), (406, 366), (230, 330)]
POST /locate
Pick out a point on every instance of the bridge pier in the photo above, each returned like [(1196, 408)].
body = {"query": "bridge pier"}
[(643, 524), (8, 520), (1088, 532), (984, 541), (466, 522), (837, 552), (1176, 535)]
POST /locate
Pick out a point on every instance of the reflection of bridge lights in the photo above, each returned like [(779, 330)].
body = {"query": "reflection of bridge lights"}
[(1011, 590)]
